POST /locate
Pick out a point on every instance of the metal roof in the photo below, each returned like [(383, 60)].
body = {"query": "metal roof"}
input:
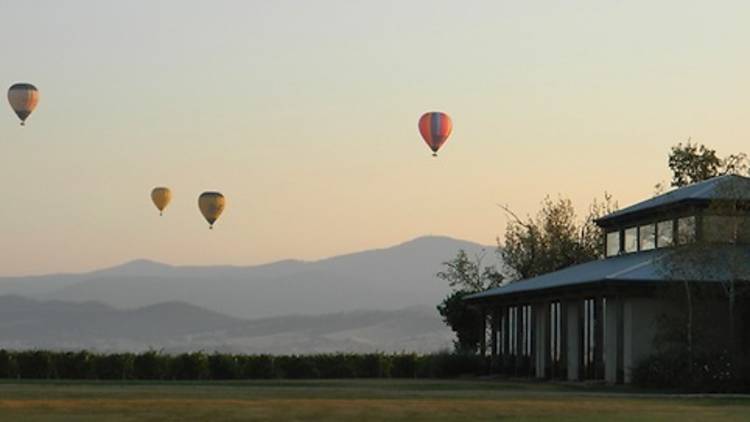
[(721, 187), (640, 268), (632, 267)]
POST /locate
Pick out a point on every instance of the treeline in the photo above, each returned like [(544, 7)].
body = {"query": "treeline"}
[(153, 365)]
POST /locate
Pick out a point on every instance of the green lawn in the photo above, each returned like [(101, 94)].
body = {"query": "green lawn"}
[(358, 400)]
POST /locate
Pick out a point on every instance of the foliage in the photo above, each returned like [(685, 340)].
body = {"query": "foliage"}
[(464, 320), (190, 366), (466, 276), (152, 365), (691, 163), (708, 373), (555, 239)]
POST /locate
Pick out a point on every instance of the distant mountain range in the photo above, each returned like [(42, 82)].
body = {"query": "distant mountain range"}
[(178, 327), (385, 279), (377, 300)]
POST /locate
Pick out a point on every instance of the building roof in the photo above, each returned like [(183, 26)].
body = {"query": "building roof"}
[(721, 187), (638, 269)]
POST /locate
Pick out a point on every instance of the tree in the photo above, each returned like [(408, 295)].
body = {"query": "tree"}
[(691, 163), (555, 239), (466, 276)]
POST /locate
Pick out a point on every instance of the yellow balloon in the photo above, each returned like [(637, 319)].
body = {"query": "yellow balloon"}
[(161, 197), (211, 205), (23, 98)]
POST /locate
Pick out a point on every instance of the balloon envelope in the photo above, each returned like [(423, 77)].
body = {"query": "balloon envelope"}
[(435, 128), (211, 205), (23, 98), (161, 197)]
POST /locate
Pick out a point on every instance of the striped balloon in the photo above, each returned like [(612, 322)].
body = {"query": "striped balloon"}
[(435, 128), (23, 98)]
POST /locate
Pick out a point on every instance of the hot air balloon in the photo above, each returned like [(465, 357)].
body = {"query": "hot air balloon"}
[(211, 205), (161, 197), (435, 128), (23, 98)]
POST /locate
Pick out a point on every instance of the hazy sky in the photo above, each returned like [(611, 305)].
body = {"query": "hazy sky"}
[(304, 113)]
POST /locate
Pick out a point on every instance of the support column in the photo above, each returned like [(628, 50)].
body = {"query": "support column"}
[(541, 340), (573, 338), (611, 339)]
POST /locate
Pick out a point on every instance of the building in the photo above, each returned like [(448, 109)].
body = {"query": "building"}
[(596, 320)]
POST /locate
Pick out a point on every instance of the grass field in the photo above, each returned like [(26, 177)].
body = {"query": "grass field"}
[(358, 400)]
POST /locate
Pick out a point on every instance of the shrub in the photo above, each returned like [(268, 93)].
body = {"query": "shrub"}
[(151, 365), (115, 366), (75, 365), (223, 366), (295, 367), (8, 365), (190, 366), (256, 367), (404, 365), (710, 373), (35, 364)]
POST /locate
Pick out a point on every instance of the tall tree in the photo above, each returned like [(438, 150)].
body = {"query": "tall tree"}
[(554, 239), (466, 276), (691, 163)]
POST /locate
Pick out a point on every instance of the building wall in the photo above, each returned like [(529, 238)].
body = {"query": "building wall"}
[(640, 324)]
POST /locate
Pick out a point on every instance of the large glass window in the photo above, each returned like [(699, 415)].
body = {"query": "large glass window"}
[(665, 233), (685, 230), (613, 243), (527, 332), (631, 239), (647, 236), (513, 330), (555, 336)]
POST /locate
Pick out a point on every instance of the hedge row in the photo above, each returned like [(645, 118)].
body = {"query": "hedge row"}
[(710, 373), (152, 365)]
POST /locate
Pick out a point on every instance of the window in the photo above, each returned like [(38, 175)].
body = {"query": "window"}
[(555, 337), (590, 321), (647, 236), (613, 243), (685, 230), (631, 239), (527, 332), (665, 233)]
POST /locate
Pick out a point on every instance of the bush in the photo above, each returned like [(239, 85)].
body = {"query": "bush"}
[(190, 366), (296, 367), (450, 365), (75, 365), (404, 365), (116, 366), (336, 365), (710, 373), (223, 367), (151, 365), (8, 365), (256, 367), (35, 364)]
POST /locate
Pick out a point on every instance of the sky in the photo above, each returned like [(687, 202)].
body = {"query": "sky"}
[(304, 115)]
